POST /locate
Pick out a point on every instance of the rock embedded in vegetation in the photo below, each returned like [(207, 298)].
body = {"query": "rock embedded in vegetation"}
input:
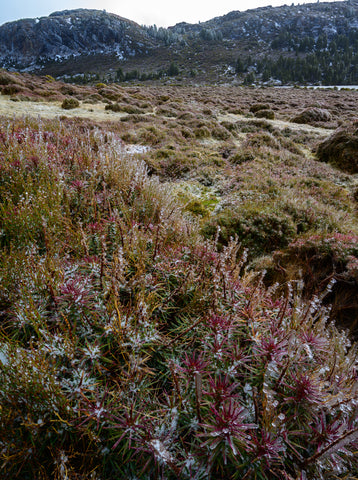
[(312, 115), (341, 148)]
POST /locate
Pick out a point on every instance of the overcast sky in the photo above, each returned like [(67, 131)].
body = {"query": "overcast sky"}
[(148, 12)]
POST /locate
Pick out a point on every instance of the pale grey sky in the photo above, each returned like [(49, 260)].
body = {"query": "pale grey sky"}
[(160, 12)]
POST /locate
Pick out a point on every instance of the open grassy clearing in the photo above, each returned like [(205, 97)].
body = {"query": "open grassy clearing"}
[(9, 106), (53, 110), (139, 336), (280, 124)]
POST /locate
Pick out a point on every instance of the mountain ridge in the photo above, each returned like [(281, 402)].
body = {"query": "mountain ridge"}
[(245, 45), (70, 32)]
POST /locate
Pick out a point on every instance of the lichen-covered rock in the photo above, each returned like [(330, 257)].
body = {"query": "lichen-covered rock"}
[(312, 115), (341, 148)]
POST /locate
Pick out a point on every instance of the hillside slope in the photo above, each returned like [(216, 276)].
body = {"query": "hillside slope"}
[(304, 43), (33, 42)]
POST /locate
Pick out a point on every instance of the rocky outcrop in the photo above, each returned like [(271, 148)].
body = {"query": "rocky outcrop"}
[(70, 33), (255, 37), (266, 24)]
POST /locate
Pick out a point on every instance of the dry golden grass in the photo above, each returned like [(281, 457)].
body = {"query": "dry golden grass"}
[(47, 109)]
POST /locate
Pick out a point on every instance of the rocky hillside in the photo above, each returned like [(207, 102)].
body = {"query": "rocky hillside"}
[(267, 24), (304, 43), (33, 42)]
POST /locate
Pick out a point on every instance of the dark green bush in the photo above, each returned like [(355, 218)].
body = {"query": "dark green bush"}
[(167, 112), (242, 156), (114, 107), (5, 79), (312, 115), (259, 106), (69, 90), (70, 103), (131, 109), (261, 232), (202, 132), (10, 89), (341, 148), (265, 113), (220, 133)]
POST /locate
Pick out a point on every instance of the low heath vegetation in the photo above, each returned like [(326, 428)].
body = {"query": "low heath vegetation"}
[(139, 335)]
